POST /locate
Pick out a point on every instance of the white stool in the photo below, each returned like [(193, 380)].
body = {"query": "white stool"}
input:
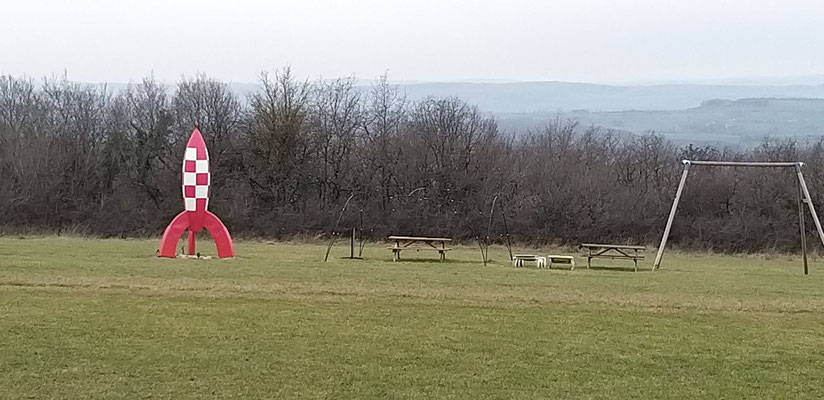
[(518, 260)]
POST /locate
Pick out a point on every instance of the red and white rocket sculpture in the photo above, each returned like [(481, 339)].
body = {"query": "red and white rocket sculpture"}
[(195, 216)]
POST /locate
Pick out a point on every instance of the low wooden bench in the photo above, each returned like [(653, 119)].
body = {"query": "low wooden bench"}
[(613, 252), (402, 243), (569, 260)]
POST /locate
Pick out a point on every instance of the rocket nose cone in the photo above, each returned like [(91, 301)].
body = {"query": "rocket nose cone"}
[(196, 140)]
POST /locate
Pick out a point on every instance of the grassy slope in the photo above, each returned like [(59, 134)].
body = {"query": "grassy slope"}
[(105, 319)]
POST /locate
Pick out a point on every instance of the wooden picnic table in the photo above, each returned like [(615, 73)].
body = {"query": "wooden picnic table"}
[(418, 243), (614, 252)]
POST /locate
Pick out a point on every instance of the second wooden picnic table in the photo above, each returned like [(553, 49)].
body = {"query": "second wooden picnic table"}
[(418, 243), (613, 251)]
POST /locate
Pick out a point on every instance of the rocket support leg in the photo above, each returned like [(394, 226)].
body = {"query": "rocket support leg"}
[(172, 234), (221, 236)]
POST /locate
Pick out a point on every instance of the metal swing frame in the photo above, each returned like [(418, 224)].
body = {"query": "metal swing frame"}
[(352, 239), (802, 193), (486, 241)]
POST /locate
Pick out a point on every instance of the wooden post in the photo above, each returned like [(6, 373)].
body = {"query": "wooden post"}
[(352, 244), (801, 222), (806, 193), (360, 236), (589, 257), (443, 251), (664, 238)]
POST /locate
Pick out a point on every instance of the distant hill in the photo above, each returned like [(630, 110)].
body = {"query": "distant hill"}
[(525, 97), (737, 122)]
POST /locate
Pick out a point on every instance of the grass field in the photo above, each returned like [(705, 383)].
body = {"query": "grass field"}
[(106, 319)]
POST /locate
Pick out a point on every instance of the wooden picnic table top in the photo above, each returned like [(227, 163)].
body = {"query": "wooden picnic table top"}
[(419, 238), (612, 246)]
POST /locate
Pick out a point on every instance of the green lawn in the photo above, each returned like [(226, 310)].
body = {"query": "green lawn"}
[(106, 319)]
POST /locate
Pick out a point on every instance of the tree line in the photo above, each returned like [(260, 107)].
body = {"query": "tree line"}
[(88, 159)]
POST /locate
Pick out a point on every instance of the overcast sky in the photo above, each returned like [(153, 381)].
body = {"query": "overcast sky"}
[(569, 40)]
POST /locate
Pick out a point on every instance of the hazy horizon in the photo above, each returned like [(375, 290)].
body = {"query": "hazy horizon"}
[(789, 80), (595, 41)]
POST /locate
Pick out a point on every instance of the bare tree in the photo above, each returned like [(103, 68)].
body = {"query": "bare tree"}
[(336, 119), (211, 105), (279, 145)]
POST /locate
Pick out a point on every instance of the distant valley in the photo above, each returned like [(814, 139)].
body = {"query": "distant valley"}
[(684, 113), (742, 122)]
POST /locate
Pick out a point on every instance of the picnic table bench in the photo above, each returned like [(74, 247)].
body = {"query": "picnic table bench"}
[(613, 252), (418, 243)]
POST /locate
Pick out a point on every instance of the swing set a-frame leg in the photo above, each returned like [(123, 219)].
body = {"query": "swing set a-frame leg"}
[(806, 192), (671, 215)]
